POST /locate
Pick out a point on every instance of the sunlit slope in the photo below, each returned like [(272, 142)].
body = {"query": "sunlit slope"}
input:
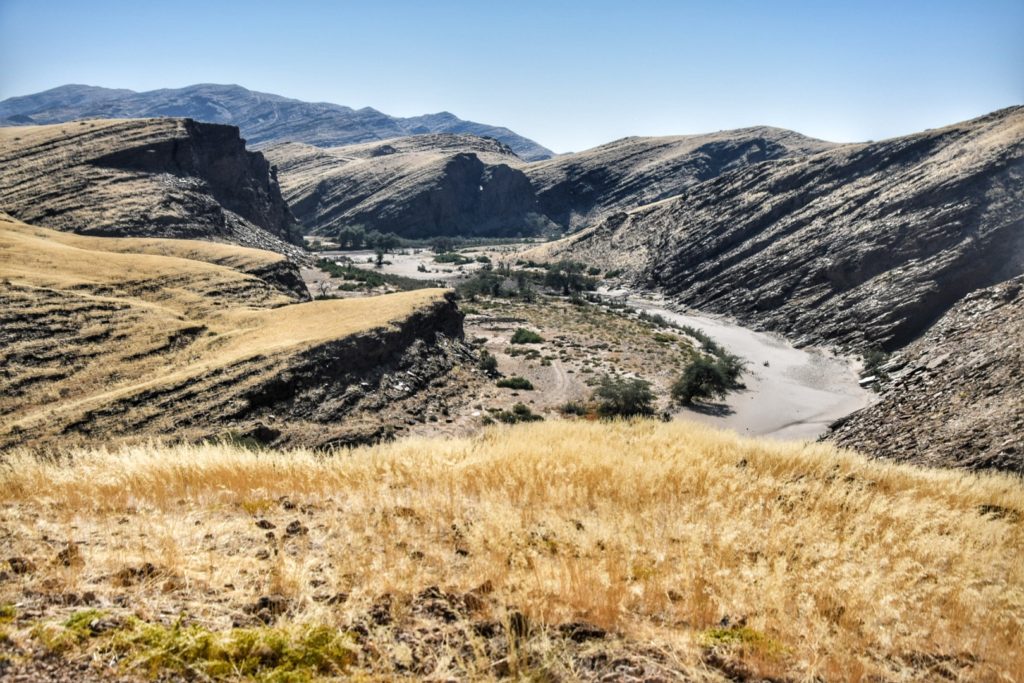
[(94, 324), (671, 549)]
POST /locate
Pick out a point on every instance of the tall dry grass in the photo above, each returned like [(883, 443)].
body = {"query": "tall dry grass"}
[(840, 568)]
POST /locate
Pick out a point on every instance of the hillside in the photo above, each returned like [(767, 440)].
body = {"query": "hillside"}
[(552, 551), (955, 397), (262, 117), (108, 339), (860, 245), (152, 177), (417, 187), (575, 190)]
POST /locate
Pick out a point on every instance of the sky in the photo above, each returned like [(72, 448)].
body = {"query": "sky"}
[(570, 75)]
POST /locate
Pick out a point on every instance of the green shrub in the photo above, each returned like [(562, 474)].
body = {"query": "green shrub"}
[(488, 363), (708, 378), (453, 258), (573, 408), (520, 413), (524, 336), (515, 383), (624, 397)]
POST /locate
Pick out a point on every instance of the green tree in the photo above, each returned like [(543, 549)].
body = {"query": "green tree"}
[(624, 397)]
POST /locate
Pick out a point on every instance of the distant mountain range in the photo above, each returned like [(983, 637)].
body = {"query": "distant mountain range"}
[(262, 118)]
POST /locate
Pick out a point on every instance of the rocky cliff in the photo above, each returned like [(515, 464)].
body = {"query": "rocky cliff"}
[(417, 187), (153, 177), (955, 397), (262, 117), (576, 190), (858, 246)]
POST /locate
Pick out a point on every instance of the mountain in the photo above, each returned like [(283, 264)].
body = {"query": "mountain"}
[(860, 245), (262, 118), (149, 177), (575, 190), (419, 186), (108, 339), (955, 397)]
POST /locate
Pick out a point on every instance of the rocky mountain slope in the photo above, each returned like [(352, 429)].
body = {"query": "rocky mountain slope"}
[(857, 246), (956, 395), (419, 186), (575, 190), (149, 177), (111, 339), (262, 117)]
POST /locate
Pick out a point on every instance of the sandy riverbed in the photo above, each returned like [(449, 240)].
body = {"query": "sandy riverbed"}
[(791, 393)]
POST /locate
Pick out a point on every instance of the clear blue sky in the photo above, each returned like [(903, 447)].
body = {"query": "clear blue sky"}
[(567, 74)]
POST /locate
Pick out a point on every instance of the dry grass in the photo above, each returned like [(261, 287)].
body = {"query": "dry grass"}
[(827, 566), (92, 320)]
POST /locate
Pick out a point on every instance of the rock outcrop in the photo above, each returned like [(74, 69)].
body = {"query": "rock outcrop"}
[(955, 397), (416, 187), (263, 118), (576, 190), (862, 245), (155, 177)]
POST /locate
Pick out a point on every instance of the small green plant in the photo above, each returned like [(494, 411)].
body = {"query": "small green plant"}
[(623, 397), (524, 336), (515, 383), (452, 257)]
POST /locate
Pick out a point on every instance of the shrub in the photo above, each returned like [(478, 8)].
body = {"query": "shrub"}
[(452, 257), (520, 413), (573, 408), (524, 336), (624, 397), (515, 383), (488, 363), (708, 378)]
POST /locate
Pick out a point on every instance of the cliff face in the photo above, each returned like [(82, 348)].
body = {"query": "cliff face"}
[(156, 177), (263, 118), (576, 190), (955, 397), (416, 187), (858, 246)]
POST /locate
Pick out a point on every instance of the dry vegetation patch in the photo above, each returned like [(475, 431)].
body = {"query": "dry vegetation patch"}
[(558, 550)]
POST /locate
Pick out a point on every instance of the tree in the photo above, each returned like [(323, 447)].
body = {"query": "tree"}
[(624, 397), (708, 378), (569, 277)]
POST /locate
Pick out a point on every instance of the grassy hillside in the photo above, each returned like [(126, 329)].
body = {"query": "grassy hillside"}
[(128, 336), (552, 551)]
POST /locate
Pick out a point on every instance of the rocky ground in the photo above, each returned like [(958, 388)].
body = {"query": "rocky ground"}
[(955, 397)]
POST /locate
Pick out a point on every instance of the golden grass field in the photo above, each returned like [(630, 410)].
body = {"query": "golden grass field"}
[(688, 553), (93, 320)]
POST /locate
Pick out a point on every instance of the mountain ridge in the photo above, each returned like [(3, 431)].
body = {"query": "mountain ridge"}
[(263, 118)]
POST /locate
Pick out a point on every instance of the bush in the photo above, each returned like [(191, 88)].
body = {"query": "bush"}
[(515, 383), (706, 378), (624, 397), (574, 408), (488, 363), (520, 413), (452, 257), (524, 336)]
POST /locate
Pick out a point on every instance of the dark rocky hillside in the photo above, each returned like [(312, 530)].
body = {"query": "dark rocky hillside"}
[(262, 117), (575, 190), (955, 397), (419, 186), (150, 177), (858, 246)]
